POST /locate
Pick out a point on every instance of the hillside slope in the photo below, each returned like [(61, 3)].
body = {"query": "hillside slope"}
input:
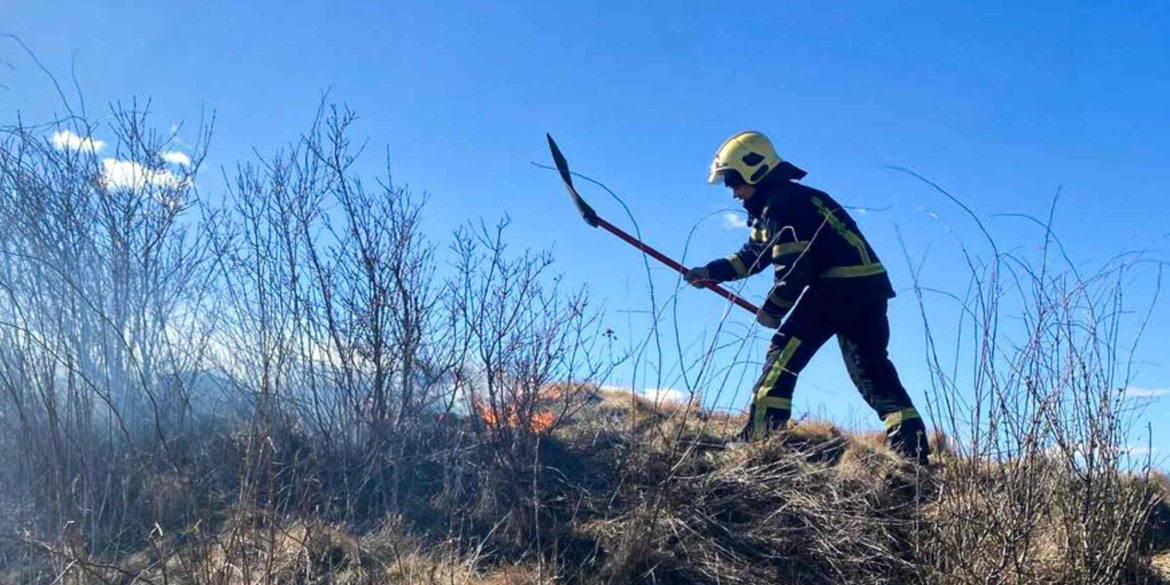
[(631, 492)]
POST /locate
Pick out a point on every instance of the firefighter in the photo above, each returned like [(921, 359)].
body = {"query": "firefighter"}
[(810, 241)]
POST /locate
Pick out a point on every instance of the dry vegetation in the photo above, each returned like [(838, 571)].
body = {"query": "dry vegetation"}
[(281, 388)]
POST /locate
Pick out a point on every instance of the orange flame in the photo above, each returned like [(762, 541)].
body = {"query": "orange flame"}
[(539, 422)]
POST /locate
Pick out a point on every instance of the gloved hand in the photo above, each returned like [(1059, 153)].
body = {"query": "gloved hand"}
[(698, 277), (768, 320)]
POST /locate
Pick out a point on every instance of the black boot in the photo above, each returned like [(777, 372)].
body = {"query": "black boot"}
[(908, 438), (774, 420)]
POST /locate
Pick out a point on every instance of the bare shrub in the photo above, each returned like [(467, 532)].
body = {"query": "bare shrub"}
[(104, 274), (1038, 485)]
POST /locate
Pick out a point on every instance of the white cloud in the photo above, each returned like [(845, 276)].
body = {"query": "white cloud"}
[(177, 158), (1141, 451), (655, 395), (615, 389), (733, 221), (1135, 392), (129, 174), (66, 140), (666, 395)]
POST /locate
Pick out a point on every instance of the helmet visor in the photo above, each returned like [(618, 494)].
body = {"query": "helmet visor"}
[(732, 178)]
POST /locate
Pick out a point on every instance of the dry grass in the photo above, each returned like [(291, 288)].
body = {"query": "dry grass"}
[(629, 504), (1161, 564)]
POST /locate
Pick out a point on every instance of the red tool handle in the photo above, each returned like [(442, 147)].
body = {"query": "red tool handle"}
[(592, 219), (675, 265)]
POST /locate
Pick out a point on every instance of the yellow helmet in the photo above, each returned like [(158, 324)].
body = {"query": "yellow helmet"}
[(749, 153)]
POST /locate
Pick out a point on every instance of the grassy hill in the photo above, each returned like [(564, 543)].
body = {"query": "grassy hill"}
[(624, 491)]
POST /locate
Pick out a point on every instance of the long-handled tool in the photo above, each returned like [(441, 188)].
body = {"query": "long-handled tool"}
[(592, 219)]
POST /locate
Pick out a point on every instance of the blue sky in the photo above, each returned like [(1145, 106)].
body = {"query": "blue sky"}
[(1000, 104)]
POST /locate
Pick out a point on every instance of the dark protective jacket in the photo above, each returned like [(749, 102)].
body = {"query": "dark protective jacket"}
[(809, 240)]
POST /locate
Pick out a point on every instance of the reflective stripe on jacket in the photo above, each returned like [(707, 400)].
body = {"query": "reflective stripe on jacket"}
[(807, 239)]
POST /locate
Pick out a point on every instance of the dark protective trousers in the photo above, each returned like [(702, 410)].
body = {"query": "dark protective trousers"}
[(864, 335)]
